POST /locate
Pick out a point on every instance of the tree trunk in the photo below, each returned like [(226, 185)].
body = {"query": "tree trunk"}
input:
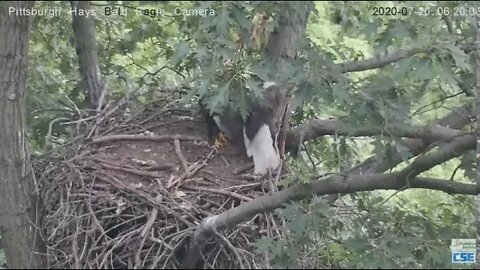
[(477, 199), (281, 49), (18, 212), (87, 52)]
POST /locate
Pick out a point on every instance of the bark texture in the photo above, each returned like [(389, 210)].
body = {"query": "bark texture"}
[(87, 52), (18, 201)]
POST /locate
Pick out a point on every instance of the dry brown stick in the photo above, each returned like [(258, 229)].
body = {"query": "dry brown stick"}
[(119, 184), (242, 169), (116, 182), (145, 230), (161, 242), (134, 171), (244, 185), (89, 201), (150, 222), (220, 191), (234, 250), (161, 167), (180, 156), (176, 180), (192, 170), (142, 137), (75, 246)]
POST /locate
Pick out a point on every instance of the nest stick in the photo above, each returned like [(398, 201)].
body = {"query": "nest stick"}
[(243, 169), (137, 172), (219, 191), (142, 137), (180, 156)]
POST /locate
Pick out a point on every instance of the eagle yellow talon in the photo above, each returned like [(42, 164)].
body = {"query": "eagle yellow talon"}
[(220, 141)]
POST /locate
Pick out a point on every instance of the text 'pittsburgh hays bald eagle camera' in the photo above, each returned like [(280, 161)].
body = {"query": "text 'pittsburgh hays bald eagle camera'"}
[(258, 134)]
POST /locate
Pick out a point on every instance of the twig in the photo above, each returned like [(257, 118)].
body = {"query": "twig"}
[(137, 172), (145, 230), (150, 222), (243, 169), (219, 191), (239, 259), (245, 185), (161, 167), (141, 137), (192, 170), (180, 156)]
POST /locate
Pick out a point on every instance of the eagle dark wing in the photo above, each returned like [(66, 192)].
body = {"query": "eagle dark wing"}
[(228, 121), (260, 130)]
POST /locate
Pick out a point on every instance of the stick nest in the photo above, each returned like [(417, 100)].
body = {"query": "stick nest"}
[(130, 190)]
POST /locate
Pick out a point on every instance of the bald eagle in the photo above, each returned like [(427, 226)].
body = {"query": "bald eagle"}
[(259, 132)]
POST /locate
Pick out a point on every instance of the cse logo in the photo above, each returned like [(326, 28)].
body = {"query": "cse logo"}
[(463, 257)]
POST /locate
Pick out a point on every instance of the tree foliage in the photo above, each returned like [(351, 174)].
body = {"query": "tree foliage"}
[(215, 57)]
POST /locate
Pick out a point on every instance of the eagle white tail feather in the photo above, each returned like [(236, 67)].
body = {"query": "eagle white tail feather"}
[(267, 84), (265, 155)]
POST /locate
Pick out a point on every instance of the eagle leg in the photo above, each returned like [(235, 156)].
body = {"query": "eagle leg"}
[(220, 140)]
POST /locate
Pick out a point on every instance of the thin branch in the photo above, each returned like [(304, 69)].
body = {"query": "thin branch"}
[(376, 62), (180, 156), (219, 191), (455, 172), (437, 101), (445, 153), (448, 23), (141, 137)]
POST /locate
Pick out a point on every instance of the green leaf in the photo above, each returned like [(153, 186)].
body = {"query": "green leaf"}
[(201, 53), (254, 86), (219, 98), (322, 208), (291, 210), (423, 70), (357, 244), (298, 225), (223, 21), (371, 29), (181, 52), (263, 245), (461, 58)]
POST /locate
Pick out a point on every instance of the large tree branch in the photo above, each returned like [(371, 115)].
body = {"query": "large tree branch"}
[(447, 186), (376, 62), (458, 118), (404, 179), (333, 184), (446, 152), (316, 128)]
